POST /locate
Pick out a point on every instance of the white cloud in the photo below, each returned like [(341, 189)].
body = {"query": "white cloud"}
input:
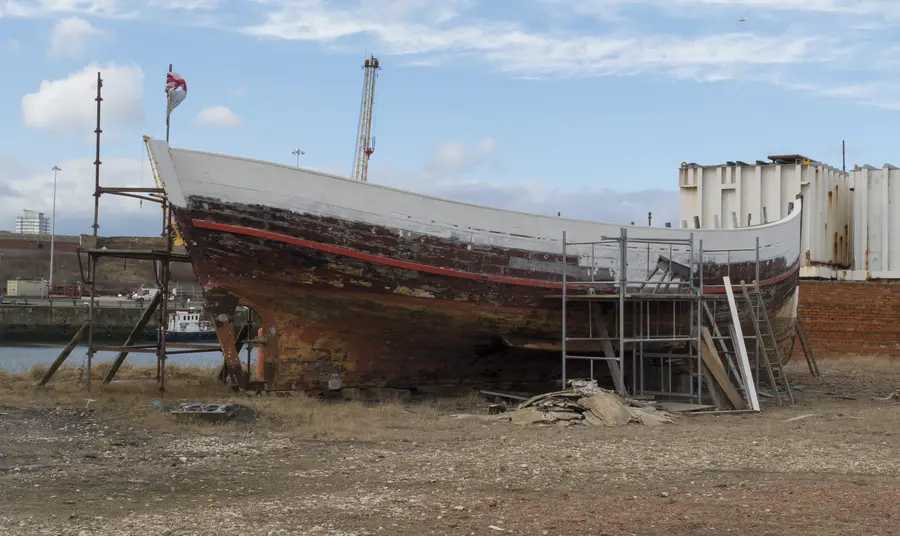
[(810, 54), (517, 50), (22, 188), (113, 9), (186, 5), (49, 8), (454, 157), (218, 116), (684, 7), (834, 49), (67, 105), (542, 197), (72, 38)]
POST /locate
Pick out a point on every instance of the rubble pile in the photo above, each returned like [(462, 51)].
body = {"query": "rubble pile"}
[(586, 403)]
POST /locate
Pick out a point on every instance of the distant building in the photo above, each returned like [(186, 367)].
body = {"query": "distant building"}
[(31, 222)]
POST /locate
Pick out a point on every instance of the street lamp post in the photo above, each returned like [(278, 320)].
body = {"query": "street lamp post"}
[(56, 169), (297, 153)]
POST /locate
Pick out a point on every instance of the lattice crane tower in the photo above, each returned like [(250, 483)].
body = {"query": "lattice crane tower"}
[(365, 144)]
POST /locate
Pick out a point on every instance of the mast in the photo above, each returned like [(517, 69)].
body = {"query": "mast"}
[(365, 141)]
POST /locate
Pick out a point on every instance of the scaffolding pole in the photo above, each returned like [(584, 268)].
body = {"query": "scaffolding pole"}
[(667, 360), (160, 257)]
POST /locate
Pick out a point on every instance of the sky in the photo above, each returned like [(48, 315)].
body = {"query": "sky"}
[(582, 108)]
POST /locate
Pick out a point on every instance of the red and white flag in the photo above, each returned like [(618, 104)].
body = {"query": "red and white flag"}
[(176, 91)]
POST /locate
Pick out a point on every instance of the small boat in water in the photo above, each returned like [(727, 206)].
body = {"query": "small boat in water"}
[(189, 326)]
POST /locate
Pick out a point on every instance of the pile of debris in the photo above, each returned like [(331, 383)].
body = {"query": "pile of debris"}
[(586, 403), (211, 411)]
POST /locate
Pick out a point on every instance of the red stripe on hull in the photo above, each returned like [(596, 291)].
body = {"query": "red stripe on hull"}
[(377, 259), (407, 265)]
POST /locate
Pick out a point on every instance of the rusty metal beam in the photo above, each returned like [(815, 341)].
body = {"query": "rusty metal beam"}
[(146, 254), (135, 196), (130, 349), (238, 344), (132, 337), (194, 346), (120, 190), (165, 268), (63, 355)]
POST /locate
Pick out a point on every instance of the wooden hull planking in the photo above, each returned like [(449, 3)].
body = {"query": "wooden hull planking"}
[(385, 298)]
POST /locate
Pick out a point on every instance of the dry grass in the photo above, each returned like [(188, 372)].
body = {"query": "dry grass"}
[(312, 467), (131, 397), (98, 372)]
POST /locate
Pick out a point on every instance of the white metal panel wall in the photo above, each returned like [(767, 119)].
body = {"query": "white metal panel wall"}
[(723, 195), (876, 224)]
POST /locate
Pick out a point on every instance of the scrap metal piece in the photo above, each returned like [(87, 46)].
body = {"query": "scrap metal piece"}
[(210, 412)]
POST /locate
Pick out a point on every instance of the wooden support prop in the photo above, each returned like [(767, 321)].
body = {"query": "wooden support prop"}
[(64, 354), (715, 392), (717, 369), (610, 353), (232, 364), (132, 337), (238, 344), (741, 347)]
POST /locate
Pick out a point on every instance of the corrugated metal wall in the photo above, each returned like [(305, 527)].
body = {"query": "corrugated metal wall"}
[(728, 196), (877, 224)]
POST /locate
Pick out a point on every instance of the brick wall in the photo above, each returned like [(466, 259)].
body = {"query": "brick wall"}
[(845, 318)]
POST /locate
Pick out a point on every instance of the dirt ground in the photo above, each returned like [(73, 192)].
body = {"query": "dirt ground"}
[(110, 463)]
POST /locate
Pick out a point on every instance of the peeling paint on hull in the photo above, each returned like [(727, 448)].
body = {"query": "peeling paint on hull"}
[(365, 324), (358, 284)]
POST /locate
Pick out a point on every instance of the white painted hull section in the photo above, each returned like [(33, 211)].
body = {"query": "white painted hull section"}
[(188, 174)]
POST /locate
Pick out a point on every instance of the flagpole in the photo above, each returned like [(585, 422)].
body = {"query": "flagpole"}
[(168, 112)]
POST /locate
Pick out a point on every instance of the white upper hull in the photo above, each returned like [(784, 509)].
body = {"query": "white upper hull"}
[(187, 174)]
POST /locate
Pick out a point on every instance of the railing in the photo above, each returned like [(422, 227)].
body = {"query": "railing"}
[(644, 303)]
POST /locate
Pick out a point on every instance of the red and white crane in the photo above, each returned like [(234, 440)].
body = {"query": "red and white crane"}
[(365, 144)]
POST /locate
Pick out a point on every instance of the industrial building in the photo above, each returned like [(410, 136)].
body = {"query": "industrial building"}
[(32, 222)]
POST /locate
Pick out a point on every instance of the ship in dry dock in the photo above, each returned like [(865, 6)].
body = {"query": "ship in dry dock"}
[(358, 284)]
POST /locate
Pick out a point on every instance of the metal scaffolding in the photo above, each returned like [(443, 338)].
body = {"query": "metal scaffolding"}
[(658, 322), (162, 253)]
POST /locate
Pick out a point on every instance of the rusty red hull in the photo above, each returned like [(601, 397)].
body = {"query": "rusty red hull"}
[(362, 285), (342, 310)]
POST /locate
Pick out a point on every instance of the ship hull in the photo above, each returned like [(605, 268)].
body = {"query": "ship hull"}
[(392, 299)]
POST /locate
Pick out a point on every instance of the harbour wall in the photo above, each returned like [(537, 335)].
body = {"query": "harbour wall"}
[(36, 324), (28, 257), (846, 318), (43, 324)]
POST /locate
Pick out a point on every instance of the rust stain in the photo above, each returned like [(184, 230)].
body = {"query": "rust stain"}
[(835, 247), (330, 318)]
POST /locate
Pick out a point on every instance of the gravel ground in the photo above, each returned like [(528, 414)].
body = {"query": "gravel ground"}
[(121, 467)]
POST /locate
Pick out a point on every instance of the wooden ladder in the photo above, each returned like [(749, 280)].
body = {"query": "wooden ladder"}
[(763, 329), (800, 330)]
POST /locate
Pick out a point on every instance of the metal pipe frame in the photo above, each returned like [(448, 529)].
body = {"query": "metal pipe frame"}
[(647, 327)]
